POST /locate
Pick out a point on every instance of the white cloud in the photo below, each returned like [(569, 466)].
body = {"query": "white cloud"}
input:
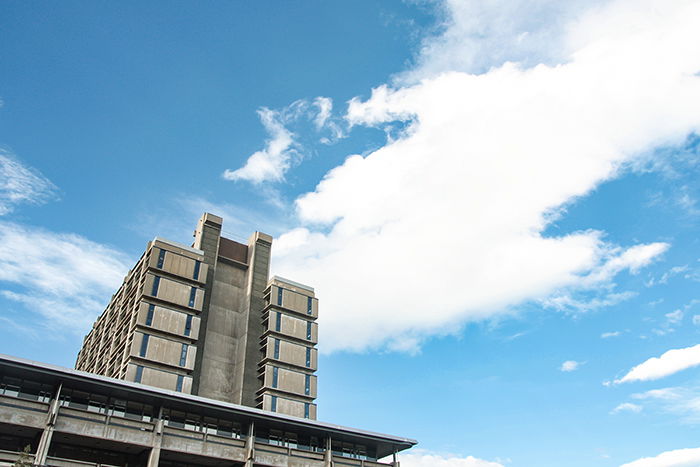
[(627, 407), (570, 365), (272, 162), (674, 317), (422, 458), (21, 184), (445, 224), (608, 335), (325, 106), (681, 402), (676, 458), (668, 363), (64, 277)]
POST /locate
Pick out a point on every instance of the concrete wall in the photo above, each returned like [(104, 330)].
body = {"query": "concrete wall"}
[(163, 350), (159, 378), (174, 292), (290, 381), (169, 320)]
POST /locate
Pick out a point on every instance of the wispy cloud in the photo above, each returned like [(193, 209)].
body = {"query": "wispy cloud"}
[(485, 164), (682, 402), (668, 363), (608, 335), (569, 366), (65, 278), (627, 407), (423, 458), (675, 458), (20, 184)]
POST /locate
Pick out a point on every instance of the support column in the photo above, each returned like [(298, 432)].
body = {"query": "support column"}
[(250, 446), (154, 454), (395, 462), (42, 450), (328, 457)]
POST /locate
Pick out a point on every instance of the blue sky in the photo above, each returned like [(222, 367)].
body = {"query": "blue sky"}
[(496, 201)]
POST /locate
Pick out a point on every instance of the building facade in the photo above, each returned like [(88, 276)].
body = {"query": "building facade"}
[(207, 320), (69, 418)]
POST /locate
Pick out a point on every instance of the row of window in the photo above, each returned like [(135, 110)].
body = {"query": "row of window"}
[(309, 301), (161, 261), (156, 285), (115, 407), (149, 320)]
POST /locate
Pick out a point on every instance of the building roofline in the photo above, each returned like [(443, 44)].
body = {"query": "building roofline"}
[(294, 283), (251, 412), (179, 245)]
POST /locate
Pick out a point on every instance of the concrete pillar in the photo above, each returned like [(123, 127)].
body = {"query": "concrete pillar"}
[(395, 461), (42, 450), (250, 446), (328, 457), (154, 454)]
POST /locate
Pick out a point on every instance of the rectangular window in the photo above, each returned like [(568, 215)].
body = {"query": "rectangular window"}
[(183, 355), (279, 296), (188, 325), (139, 373), (156, 282), (278, 322), (197, 265), (277, 348), (144, 345), (307, 409), (308, 357), (178, 386), (309, 304), (307, 384), (275, 372), (308, 330), (161, 259), (149, 316), (273, 404), (193, 295)]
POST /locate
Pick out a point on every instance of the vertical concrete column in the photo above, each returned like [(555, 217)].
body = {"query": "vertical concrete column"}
[(154, 454), (42, 450), (328, 457), (250, 446), (395, 462)]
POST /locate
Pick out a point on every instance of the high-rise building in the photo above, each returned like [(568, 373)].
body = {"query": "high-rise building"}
[(207, 320)]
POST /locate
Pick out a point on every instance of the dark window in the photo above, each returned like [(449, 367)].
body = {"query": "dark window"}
[(161, 259), (149, 316), (308, 330), (188, 325), (309, 305), (306, 409), (308, 357), (144, 345), (279, 296), (275, 371), (156, 282), (193, 294), (307, 384), (278, 322), (197, 265), (178, 386), (277, 348), (139, 373), (183, 355), (274, 404)]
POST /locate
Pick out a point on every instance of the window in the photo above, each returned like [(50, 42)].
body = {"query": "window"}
[(307, 384), (275, 372), (183, 355), (277, 348), (279, 296), (193, 295), (144, 346), (178, 385), (197, 265), (306, 409), (156, 282), (139, 373), (308, 330), (308, 357), (309, 304), (278, 322), (149, 316), (161, 259), (188, 325), (273, 404)]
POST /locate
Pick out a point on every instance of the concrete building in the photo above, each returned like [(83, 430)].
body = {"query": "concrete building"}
[(206, 320), (70, 418)]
